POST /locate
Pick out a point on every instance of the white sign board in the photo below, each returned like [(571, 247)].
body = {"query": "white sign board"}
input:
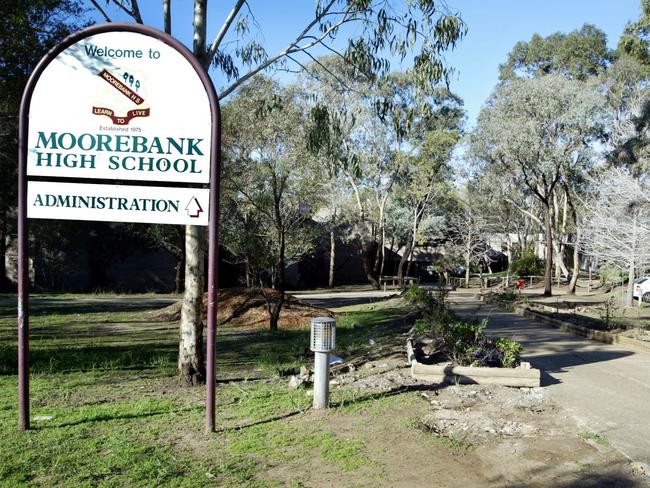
[(117, 203), (120, 106)]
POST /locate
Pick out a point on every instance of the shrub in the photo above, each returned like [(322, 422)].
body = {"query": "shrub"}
[(609, 274), (462, 342), (509, 351), (433, 306), (528, 264)]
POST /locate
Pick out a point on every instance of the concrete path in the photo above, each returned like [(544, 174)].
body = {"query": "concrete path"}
[(607, 388)]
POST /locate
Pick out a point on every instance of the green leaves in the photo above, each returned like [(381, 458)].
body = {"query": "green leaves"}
[(577, 55)]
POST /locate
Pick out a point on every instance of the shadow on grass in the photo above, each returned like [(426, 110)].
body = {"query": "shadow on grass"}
[(38, 308), (90, 358), (268, 420), (102, 418)]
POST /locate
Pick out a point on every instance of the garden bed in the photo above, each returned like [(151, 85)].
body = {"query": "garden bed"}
[(521, 376)]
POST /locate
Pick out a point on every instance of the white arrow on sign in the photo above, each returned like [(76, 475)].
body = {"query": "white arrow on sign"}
[(194, 208)]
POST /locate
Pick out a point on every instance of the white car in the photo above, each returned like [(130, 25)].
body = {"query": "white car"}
[(642, 288)]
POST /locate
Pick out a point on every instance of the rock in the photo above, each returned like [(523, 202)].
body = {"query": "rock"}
[(43, 418), (372, 342), (640, 469), (334, 360), (295, 382), (304, 372), (428, 349)]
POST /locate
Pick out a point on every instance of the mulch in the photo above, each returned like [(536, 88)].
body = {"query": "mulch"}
[(247, 307)]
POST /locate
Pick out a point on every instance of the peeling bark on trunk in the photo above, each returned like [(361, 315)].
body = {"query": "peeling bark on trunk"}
[(191, 366)]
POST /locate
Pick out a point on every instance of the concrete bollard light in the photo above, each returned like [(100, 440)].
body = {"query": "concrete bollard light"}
[(323, 338)]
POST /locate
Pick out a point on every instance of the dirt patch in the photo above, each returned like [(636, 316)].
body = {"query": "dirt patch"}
[(474, 435), (247, 307)]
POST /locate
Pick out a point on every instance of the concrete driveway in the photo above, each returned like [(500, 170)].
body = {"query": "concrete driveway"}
[(605, 387)]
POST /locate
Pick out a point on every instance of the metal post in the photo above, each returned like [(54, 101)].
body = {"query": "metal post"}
[(23, 269), (213, 253), (321, 379)]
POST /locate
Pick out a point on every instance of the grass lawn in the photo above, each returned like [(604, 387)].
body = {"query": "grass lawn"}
[(106, 409)]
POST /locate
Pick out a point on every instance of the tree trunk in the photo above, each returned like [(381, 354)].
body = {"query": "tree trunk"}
[(180, 274), (280, 284), (509, 256), (629, 298), (576, 265), (548, 272), (402, 263), (367, 257), (468, 258), (191, 365), (332, 258), (167, 16), (560, 267)]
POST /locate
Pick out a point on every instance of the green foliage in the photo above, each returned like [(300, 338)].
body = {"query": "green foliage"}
[(579, 54), (509, 349), (462, 342), (635, 41), (610, 274), (527, 264), (433, 306), (609, 314)]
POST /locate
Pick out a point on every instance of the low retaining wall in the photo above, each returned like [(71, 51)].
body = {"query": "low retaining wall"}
[(449, 373), (597, 335)]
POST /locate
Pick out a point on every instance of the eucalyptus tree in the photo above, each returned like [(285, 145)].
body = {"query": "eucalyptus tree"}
[(577, 55), (426, 173), (616, 224), (627, 114), (513, 212), (380, 30), (539, 131), (272, 180), (635, 41), (469, 228), (334, 96)]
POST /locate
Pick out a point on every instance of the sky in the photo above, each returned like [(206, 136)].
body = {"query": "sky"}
[(495, 26)]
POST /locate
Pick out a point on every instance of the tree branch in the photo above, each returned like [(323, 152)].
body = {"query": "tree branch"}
[(288, 50), (222, 32), (101, 11)]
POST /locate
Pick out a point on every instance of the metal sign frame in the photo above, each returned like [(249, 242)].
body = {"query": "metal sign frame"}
[(213, 225)]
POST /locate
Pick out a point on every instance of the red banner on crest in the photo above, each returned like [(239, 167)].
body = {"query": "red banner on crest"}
[(131, 114)]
